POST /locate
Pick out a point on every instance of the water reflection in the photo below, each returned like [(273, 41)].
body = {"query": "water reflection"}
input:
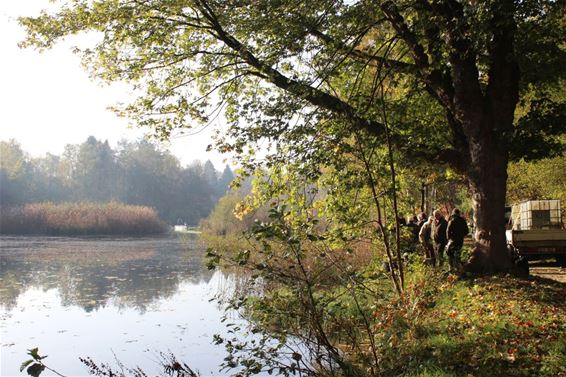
[(90, 272), (107, 298)]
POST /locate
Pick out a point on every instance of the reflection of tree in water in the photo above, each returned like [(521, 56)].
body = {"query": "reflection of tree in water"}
[(91, 272)]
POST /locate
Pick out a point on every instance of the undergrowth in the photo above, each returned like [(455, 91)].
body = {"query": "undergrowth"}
[(440, 326)]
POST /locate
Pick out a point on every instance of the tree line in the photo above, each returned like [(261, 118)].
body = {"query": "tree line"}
[(139, 173)]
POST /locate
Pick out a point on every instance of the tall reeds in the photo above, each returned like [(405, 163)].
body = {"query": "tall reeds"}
[(80, 219)]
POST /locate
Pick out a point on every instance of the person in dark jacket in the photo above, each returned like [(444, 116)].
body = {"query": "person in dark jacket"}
[(439, 226), (413, 226), (456, 230)]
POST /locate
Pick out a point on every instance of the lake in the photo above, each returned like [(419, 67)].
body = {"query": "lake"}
[(109, 298)]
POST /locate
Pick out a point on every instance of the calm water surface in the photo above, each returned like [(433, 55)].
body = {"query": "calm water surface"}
[(107, 298)]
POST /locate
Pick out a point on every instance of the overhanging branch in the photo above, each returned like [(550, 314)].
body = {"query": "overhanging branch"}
[(311, 94), (434, 79), (399, 66)]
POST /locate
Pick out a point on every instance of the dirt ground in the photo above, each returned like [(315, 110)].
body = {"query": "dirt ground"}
[(548, 270)]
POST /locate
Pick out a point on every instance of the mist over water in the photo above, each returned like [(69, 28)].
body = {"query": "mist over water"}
[(108, 298)]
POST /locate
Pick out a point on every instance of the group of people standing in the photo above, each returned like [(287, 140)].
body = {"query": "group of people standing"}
[(438, 236)]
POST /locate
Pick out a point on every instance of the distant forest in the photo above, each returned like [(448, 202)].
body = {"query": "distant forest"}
[(137, 173)]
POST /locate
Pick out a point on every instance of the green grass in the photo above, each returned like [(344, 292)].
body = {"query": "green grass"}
[(496, 326)]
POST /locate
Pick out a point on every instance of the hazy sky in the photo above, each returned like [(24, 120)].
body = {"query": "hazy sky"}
[(47, 100)]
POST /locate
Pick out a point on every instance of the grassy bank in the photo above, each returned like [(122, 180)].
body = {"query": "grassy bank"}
[(80, 219), (440, 327), (497, 326)]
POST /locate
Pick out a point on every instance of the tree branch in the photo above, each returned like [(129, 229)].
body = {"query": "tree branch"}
[(433, 78), (363, 55), (503, 86), (450, 156), (313, 95), (468, 96)]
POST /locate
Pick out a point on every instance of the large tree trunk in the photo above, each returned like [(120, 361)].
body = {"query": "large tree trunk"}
[(487, 179)]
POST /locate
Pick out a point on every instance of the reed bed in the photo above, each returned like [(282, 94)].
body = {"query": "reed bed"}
[(81, 219)]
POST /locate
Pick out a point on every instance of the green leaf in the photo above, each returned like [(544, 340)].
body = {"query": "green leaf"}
[(34, 353), (35, 370), (25, 364)]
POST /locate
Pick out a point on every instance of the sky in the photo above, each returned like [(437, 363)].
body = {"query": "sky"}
[(47, 100)]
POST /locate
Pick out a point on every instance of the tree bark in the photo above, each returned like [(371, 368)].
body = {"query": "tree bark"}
[(487, 180)]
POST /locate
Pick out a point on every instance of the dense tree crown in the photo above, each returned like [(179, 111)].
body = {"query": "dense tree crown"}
[(324, 53), (466, 84), (134, 173)]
